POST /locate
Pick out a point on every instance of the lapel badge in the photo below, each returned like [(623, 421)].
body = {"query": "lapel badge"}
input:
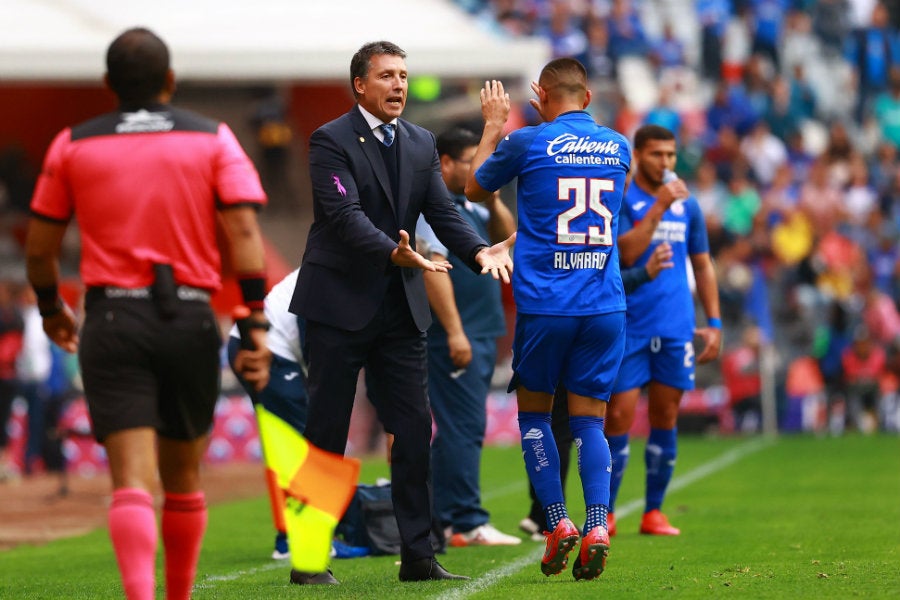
[(362, 140)]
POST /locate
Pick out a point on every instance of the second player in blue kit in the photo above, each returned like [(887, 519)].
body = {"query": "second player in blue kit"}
[(660, 320)]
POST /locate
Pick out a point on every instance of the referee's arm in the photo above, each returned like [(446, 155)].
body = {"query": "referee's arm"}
[(42, 248), (248, 258)]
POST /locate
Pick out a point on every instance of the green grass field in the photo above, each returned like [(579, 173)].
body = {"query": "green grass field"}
[(796, 517)]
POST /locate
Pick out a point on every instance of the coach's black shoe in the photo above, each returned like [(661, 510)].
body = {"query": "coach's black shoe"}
[(301, 578), (426, 569)]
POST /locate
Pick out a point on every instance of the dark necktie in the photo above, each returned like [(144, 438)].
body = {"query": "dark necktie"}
[(388, 130)]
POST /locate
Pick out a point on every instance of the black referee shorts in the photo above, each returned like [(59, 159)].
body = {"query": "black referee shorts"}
[(142, 371)]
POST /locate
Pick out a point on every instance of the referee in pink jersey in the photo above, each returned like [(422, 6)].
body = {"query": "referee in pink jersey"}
[(146, 185)]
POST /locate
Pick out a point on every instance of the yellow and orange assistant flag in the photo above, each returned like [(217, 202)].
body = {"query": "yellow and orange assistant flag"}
[(318, 486)]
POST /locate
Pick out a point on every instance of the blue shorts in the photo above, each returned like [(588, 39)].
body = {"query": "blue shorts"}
[(664, 360), (583, 353)]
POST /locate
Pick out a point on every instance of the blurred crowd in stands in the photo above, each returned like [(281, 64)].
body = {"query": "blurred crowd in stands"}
[(42, 376), (787, 114)]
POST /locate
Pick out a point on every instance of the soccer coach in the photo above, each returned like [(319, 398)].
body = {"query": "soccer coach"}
[(145, 184)]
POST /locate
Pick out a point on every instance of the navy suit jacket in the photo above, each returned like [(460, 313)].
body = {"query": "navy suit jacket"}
[(346, 267)]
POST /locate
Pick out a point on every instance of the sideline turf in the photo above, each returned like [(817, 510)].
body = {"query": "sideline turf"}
[(803, 517)]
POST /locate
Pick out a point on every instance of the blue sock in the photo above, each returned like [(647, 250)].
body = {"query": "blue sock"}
[(593, 466), (542, 464), (660, 459), (619, 450)]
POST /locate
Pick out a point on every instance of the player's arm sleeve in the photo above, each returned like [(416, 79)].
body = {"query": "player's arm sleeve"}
[(237, 181), (52, 200), (634, 278), (504, 163), (698, 242)]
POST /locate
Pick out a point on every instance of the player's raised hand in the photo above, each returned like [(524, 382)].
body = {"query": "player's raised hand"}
[(659, 260), (494, 103), (496, 259), (538, 103), (404, 256), (670, 192)]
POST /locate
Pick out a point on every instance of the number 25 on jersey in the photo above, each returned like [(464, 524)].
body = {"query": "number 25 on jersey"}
[(587, 196)]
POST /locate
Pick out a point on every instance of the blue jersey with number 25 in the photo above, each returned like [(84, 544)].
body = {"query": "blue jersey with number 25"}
[(571, 175)]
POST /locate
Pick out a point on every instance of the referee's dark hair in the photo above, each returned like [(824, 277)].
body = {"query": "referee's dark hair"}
[(137, 63), (454, 141)]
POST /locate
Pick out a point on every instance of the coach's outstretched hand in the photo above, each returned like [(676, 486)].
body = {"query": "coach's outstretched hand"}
[(404, 256), (496, 259)]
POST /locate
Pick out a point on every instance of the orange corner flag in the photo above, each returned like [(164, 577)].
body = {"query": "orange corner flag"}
[(319, 486)]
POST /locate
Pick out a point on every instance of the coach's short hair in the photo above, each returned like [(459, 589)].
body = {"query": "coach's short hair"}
[(650, 132), (137, 63), (360, 63)]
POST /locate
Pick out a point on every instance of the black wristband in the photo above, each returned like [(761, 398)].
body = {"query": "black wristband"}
[(253, 290), (51, 310), (46, 294)]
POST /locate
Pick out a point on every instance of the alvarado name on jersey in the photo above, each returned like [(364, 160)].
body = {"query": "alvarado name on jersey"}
[(579, 260)]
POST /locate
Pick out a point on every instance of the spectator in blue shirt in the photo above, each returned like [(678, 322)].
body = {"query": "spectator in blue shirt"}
[(713, 16), (668, 51), (872, 51), (626, 32)]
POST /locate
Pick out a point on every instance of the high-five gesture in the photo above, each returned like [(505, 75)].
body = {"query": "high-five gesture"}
[(404, 256), (494, 103)]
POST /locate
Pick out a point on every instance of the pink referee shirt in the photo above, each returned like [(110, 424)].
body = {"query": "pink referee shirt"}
[(144, 187)]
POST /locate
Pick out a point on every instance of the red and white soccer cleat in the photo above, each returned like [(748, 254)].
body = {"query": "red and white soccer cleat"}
[(559, 544), (611, 524), (656, 523), (591, 559)]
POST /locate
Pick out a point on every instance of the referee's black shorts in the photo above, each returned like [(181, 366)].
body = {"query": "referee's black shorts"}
[(142, 371)]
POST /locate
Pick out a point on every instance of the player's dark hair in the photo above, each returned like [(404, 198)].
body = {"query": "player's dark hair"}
[(564, 75), (136, 66), (455, 141), (360, 63), (647, 133)]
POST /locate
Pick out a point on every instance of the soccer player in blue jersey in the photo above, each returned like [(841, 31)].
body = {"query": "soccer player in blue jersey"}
[(567, 287), (659, 348)]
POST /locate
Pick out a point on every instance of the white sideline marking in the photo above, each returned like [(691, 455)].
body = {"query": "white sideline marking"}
[(706, 469), (210, 580)]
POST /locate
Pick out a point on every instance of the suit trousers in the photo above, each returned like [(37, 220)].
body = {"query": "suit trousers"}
[(393, 350)]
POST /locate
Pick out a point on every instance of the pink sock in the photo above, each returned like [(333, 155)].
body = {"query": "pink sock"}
[(132, 528), (183, 525)]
